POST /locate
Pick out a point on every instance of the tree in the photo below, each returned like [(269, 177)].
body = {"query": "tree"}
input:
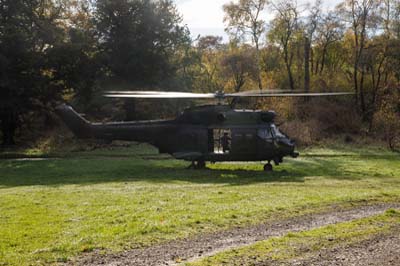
[(209, 48), (284, 28), (238, 65), (395, 22), (360, 14), (28, 31), (388, 115), (244, 19), (311, 25), (329, 31), (75, 61), (139, 39), (209, 43)]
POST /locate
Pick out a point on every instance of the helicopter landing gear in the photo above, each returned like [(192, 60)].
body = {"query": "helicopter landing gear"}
[(268, 167), (197, 165), (201, 164)]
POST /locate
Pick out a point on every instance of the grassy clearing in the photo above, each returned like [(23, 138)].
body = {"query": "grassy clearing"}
[(298, 245), (54, 210)]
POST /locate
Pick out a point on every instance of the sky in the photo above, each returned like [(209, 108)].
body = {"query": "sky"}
[(205, 17)]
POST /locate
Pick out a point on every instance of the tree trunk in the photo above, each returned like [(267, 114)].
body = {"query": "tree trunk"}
[(362, 96), (291, 81), (8, 127), (355, 80), (288, 67), (300, 56), (312, 61), (307, 48), (324, 51), (260, 85)]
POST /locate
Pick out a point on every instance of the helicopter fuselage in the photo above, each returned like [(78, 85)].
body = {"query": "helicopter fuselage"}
[(211, 133)]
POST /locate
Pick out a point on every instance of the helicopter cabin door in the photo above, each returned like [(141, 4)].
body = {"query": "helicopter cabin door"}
[(244, 141), (219, 140)]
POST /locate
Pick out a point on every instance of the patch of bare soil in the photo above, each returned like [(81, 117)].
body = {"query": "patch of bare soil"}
[(208, 244), (382, 250)]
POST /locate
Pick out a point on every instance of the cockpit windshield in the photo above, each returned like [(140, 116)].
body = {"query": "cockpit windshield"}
[(265, 133), (269, 133), (276, 131)]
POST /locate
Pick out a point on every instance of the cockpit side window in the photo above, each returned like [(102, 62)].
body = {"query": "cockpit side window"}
[(264, 133)]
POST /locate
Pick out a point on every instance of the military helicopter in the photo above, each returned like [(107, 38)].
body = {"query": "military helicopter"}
[(207, 133)]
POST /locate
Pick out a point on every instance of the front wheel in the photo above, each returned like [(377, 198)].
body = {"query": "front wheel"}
[(268, 167), (201, 165), (197, 165)]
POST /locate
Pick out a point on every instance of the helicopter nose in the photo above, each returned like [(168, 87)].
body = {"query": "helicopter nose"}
[(292, 147), (286, 142), (288, 146)]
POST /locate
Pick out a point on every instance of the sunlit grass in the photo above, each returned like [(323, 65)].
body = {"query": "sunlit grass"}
[(54, 210)]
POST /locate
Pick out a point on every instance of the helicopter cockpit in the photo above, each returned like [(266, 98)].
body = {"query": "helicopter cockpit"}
[(270, 133), (265, 134)]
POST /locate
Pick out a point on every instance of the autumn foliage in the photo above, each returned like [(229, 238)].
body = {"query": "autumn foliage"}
[(53, 51)]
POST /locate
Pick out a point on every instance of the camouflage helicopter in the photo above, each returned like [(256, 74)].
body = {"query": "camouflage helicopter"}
[(208, 133)]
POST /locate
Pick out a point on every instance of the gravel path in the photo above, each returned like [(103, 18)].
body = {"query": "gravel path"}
[(209, 244), (382, 250)]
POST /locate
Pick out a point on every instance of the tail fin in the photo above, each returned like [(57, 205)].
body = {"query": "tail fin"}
[(75, 122)]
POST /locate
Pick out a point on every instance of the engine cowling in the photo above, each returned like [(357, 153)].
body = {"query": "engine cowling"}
[(267, 117)]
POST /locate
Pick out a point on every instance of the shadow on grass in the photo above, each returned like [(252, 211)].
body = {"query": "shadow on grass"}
[(83, 171), (363, 156), (49, 175)]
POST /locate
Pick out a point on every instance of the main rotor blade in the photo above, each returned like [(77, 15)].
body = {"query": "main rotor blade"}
[(141, 92), (218, 95), (252, 92), (160, 95), (292, 94)]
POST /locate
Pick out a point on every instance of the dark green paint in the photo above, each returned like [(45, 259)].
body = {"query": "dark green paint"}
[(254, 137)]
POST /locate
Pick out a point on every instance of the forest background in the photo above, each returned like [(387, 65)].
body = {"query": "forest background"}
[(54, 51)]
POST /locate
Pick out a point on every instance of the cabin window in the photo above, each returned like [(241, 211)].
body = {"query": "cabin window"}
[(221, 139)]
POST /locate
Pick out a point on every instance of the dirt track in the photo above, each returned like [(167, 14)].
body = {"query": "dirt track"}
[(383, 250), (209, 244)]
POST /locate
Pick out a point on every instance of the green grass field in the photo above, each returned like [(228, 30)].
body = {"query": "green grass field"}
[(112, 200)]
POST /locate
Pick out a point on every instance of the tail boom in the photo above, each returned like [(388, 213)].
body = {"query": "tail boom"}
[(148, 131)]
